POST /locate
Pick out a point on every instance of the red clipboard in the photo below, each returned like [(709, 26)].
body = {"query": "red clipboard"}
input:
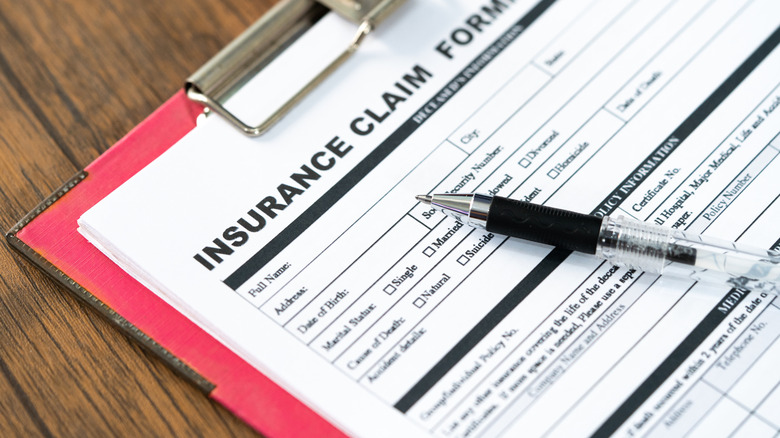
[(48, 236)]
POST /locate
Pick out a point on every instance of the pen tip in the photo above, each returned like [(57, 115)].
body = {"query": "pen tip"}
[(424, 199)]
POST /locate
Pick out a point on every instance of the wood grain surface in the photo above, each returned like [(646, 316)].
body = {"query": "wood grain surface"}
[(75, 76)]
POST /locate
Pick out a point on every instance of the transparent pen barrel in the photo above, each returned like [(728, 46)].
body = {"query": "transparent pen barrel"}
[(655, 249)]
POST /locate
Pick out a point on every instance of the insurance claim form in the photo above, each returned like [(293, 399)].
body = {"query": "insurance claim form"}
[(305, 251)]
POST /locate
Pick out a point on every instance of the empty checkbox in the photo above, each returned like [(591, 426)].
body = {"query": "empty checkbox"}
[(429, 251), (553, 173), (389, 289), (419, 302), (463, 260), (525, 162)]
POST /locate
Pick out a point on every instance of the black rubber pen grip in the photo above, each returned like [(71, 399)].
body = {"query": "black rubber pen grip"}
[(537, 223)]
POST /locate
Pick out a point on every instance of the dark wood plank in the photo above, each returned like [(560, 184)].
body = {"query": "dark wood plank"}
[(75, 76)]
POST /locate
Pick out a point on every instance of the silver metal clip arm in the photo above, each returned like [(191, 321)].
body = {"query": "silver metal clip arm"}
[(257, 46)]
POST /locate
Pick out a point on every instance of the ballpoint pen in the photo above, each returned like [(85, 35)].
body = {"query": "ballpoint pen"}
[(620, 241)]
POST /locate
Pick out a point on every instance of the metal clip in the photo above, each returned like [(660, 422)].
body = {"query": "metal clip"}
[(256, 47)]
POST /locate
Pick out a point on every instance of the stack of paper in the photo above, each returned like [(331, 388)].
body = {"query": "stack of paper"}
[(305, 251)]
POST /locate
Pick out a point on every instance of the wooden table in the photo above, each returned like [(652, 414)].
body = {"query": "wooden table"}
[(75, 76)]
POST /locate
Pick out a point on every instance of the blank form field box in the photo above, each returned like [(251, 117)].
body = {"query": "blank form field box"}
[(525, 162), (553, 173), (463, 260), (429, 251), (419, 302), (389, 289)]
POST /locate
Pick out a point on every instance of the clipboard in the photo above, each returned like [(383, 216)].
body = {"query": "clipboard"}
[(47, 235)]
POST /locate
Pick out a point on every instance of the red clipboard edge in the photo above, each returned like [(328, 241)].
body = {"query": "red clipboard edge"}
[(48, 237)]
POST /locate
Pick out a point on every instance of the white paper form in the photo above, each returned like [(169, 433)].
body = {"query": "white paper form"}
[(305, 251)]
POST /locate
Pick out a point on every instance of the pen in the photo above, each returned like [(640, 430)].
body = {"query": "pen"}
[(620, 241)]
